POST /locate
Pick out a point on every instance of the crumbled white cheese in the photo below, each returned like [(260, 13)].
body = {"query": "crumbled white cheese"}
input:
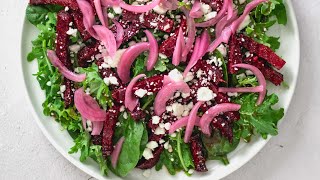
[(155, 119), (170, 148), (75, 48), (189, 77), (140, 93), (159, 131), (110, 15), (113, 62), (161, 141), (248, 73), (185, 95), (166, 145), (146, 173), (72, 32), (222, 49), (177, 109), (166, 27), (122, 108), (111, 80), (162, 56), (125, 115), (167, 126), (244, 23), (87, 91), (66, 8), (117, 9), (169, 108), (210, 15), (191, 171), (49, 83), (242, 1), (173, 135), (205, 94), (152, 145), (159, 10), (147, 154), (161, 125), (62, 88), (199, 73), (232, 94), (89, 123), (205, 8), (175, 75), (241, 76)]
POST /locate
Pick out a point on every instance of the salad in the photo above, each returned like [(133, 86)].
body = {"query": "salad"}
[(158, 83)]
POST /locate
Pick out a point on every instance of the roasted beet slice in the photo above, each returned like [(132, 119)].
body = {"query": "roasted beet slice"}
[(168, 45), (152, 84), (198, 156), (108, 72), (96, 139), (270, 74), (131, 28), (78, 21), (118, 95), (72, 4), (235, 55), (86, 53), (221, 123), (261, 51), (206, 73), (216, 5), (108, 130), (62, 51), (147, 164), (149, 20), (138, 114)]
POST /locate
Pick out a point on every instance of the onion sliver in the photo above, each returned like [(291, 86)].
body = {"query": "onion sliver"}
[(139, 9), (192, 121), (176, 58), (130, 100), (107, 38), (214, 20), (166, 93), (103, 17), (88, 107), (63, 69), (153, 50), (213, 112), (116, 152), (182, 123), (127, 59)]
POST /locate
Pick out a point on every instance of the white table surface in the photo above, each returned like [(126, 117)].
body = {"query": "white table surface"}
[(25, 153)]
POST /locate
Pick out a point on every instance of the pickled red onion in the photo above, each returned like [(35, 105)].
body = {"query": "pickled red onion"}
[(195, 11), (103, 17), (130, 100), (192, 121), (153, 50), (176, 58), (182, 123), (107, 38), (116, 152)]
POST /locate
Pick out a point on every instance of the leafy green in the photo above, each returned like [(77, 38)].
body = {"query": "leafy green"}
[(139, 67), (179, 159), (218, 146), (36, 14), (248, 81), (262, 118), (161, 64), (96, 85), (96, 154), (135, 140)]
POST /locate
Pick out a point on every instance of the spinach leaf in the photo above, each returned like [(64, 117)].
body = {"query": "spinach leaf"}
[(135, 139), (36, 14)]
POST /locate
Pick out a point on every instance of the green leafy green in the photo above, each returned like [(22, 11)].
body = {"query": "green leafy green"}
[(262, 118), (36, 14), (248, 81), (96, 154), (135, 140), (96, 85)]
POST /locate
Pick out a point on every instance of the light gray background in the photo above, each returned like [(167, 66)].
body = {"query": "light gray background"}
[(294, 154)]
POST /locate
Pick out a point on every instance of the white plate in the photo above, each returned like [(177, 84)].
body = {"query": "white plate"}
[(289, 50)]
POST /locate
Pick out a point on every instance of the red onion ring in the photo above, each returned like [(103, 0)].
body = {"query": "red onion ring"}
[(213, 112), (182, 123), (192, 121), (176, 58), (166, 93), (107, 38), (230, 10), (224, 22), (120, 33), (191, 33), (195, 11), (63, 69), (97, 128), (103, 17), (88, 16), (88, 107), (130, 100), (116, 152), (153, 50), (262, 88), (127, 59)]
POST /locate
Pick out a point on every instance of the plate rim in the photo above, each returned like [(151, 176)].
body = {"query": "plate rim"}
[(83, 167)]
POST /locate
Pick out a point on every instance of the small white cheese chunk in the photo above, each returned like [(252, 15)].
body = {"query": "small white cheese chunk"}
[(159, 131), (147, 154), (161, 141), (241, 76), (152, 145), (72, 32), (155, 119), (210, 15), (111, 80), (223, 50), (166, 145), (175, 75), (232, 94), (75, 48), (117, 9), (125, 115), (205, 8), (140, 93), (177, 109), (189, 77), (205, 94), (167, 126), (62, 88), (248, 73), (242, 1), (159, 10), (191, 171)]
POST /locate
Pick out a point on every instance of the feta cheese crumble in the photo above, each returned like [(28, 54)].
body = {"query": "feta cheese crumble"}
[(140, 92), (175, 75), (205, 94)]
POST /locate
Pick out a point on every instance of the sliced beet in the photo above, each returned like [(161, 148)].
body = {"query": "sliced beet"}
[(108, 130), (235, 55), (72, 4), (221, 123), (86, 53), (152, 84), (270, 74), (147, 164), (108, 72), (262, 51), (62, 51), (78, 21), (96, 139), (198, 156), (210, 73), (118, 95), (168, 45), (138, 114)]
